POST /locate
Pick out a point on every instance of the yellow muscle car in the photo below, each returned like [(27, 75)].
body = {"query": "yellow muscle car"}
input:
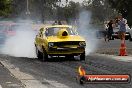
[(59, 40)]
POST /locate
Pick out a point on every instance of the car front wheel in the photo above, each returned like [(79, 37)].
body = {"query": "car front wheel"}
[(82, 57), (112, 38)]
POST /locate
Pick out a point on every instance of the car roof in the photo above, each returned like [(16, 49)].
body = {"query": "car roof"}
[(50, 26)]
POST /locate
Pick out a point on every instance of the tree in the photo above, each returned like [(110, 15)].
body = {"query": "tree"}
[(124, 7), (39, 9), (101, 10), (71, 11), (5, 7)]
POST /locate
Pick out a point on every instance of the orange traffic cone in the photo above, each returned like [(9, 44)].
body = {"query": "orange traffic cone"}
[(123, 49)]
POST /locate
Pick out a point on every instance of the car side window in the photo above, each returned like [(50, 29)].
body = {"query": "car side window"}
[(50, 32), (46, 33)]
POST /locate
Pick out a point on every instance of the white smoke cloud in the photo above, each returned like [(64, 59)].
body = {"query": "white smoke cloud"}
[(87, 31), (22, 43)]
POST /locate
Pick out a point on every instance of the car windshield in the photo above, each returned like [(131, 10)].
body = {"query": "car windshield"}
[(53, 31)]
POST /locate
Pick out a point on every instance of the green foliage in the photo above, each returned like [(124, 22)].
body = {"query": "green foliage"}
[(39, 9), (46, 9), (101, 10), (124, 7), (53, 9), (5, 7), (70, 11)]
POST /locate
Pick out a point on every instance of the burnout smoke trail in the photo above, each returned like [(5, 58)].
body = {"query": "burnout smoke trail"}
[(22, 43), (87, 31)]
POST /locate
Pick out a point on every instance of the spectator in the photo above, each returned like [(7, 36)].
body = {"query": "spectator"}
[(122, 27), (110, 29)]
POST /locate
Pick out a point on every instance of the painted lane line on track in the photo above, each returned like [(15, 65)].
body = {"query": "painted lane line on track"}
[(23, 77), (0, 86), (56, 84), (29, 81)]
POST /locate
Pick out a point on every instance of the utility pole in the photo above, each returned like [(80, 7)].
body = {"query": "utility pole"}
[(27, 12), (58, 9)]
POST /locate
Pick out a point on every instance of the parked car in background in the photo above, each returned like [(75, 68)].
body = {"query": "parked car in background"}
[(128, 35)]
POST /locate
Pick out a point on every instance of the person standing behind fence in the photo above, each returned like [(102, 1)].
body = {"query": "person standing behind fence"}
[(110, 29), (122, 27)]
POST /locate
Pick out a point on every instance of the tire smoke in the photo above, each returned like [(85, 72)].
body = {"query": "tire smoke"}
[(87, 31), (22, 43)]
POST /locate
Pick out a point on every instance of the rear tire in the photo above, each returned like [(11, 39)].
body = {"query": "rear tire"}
[(82, 57), (39, 54), (44, 55), (112, 38)]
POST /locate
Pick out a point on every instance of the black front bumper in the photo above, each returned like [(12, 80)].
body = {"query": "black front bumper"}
[(66, 51)]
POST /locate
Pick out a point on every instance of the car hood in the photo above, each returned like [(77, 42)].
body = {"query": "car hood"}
[(68, 38)]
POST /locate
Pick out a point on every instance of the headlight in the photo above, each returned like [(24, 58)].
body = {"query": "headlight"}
[(51, 44), (82, 44)]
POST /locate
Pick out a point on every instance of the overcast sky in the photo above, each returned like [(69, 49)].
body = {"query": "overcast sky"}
[(64, 1), (76, 0)]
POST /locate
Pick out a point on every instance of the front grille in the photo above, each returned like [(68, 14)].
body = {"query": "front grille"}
[(66, 50), (61, 44)]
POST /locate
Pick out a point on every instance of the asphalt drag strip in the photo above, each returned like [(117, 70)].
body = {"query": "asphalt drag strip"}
[(62, 73), (7, 80)]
